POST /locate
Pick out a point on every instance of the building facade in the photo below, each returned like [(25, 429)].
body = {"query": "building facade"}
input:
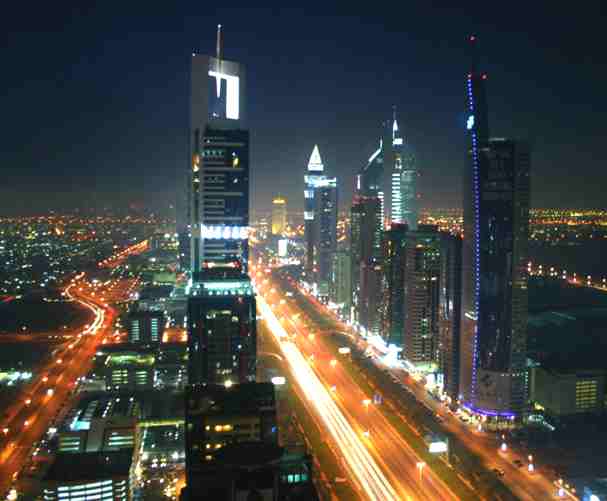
[(221, 306), (393, 285), (279, 215), (422, 272), (493, 379), (340, 283), (365, 249), (145, 327), (320, 223), (450, 301), (222, 340)]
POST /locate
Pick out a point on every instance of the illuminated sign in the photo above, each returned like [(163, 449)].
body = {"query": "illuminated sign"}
[(470, 122), (221, 232), (320, 181), (397, 141), (308, 215), (232, 97), (283, 245), (344, 350), (278, 380), (437, 447)]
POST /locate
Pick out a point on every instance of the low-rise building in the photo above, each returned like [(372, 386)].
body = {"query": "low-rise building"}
[(563, 392), (89, 476)]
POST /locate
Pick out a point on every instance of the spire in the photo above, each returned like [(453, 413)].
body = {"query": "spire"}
[(394, 122), (315, 162), (219, 48)]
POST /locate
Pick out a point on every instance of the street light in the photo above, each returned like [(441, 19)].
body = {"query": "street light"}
[(420, 466)]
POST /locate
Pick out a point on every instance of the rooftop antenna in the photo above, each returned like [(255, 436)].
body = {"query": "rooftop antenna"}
[(219, 48), (472, 40)]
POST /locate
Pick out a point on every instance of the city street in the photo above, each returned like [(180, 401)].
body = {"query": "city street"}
[(50, 394), (524, 484), (368, 433)]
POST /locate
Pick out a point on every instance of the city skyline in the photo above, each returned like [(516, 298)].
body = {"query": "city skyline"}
[(539, 102), (387, 318)]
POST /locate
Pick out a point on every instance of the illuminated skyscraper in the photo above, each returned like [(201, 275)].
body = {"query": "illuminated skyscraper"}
[(279, 215), (221, 306), (365, 254), (320, 222), (422, 271), (494, 299)]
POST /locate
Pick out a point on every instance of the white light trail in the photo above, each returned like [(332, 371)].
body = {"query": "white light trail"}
[(360, 462)]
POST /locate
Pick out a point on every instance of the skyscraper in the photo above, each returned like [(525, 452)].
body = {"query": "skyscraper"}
[(393, 283), (340, 283), (279, 215), (450, 303), (320, 222), (494, 300), (221, 306), (365, 250), (422, 270), (391, 176)]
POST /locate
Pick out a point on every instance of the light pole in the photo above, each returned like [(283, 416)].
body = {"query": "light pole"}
[(420, 467)]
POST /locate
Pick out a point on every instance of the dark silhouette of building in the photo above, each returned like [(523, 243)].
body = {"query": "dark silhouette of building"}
[(493, 377)]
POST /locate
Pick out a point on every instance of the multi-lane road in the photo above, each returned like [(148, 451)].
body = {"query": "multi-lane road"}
[(49, 395), (380, 462), (525, 485)]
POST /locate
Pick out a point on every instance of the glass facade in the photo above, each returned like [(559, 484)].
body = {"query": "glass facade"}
[(496, 220)]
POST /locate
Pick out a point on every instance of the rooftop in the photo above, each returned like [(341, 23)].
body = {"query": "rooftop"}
[(89, 466)]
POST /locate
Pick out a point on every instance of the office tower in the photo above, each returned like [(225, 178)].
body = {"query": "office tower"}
[(320, 222), (391, 176), (393, 284), (494, 256), (221, 305), (422, 272), (279, 215), (340, 283), (145, 326), (450, 301), (365, 248), (325, 240)]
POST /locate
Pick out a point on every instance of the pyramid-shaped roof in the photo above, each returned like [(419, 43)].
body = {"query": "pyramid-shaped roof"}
[(315, 162)]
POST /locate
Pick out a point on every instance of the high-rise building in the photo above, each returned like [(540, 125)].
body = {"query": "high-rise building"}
[(494, 300), (393, 284), (422, 271), (279, 215), (320, 222), (450, 302), (221, 305), (340, 283), (365, 248), (391, 176), (325, 240)]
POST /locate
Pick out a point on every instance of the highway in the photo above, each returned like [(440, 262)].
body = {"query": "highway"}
[(527, 486), (379, 459), (46, 398)]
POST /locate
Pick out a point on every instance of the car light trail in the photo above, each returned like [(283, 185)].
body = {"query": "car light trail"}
[(360, 462)]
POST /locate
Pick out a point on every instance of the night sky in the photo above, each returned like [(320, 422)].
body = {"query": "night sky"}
[(94, 100)]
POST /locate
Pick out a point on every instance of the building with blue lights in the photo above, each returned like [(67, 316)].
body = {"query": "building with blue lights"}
[(493, 378)]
